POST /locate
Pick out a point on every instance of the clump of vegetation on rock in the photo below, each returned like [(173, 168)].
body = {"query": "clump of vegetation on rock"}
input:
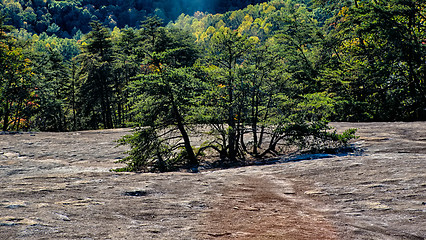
[(239, 94)]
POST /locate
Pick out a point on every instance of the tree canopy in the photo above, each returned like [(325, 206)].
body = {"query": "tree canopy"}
[(65, 17)]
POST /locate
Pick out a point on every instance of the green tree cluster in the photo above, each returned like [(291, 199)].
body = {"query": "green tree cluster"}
[(241, 91), (378, 58), (365, 56)]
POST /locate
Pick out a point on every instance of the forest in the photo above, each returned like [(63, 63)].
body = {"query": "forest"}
[(65, 17), (262, 76)]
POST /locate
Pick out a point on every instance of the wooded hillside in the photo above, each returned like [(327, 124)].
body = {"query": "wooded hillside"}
[(64, 18)]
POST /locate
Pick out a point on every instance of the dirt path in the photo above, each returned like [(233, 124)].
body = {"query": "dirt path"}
[(58, 186), (265, 208)]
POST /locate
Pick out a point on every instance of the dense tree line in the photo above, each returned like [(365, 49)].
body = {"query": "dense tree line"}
[(261, 80), (368, 57), (65, 17)]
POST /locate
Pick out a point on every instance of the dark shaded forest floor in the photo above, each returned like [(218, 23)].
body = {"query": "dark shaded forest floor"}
[(58, 186)]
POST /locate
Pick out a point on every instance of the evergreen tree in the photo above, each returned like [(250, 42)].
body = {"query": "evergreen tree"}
[(51, 81), (127, 59), (96, 69), (379, 59), (161, 98), (228, 50)]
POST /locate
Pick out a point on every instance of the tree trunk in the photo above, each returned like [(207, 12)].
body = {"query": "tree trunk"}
[(254, 113), (6, 116), (262, 131), (232, 135), (187, 143)]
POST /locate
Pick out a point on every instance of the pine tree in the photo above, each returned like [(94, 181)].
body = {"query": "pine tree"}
[(96, 62), (161, 98)]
